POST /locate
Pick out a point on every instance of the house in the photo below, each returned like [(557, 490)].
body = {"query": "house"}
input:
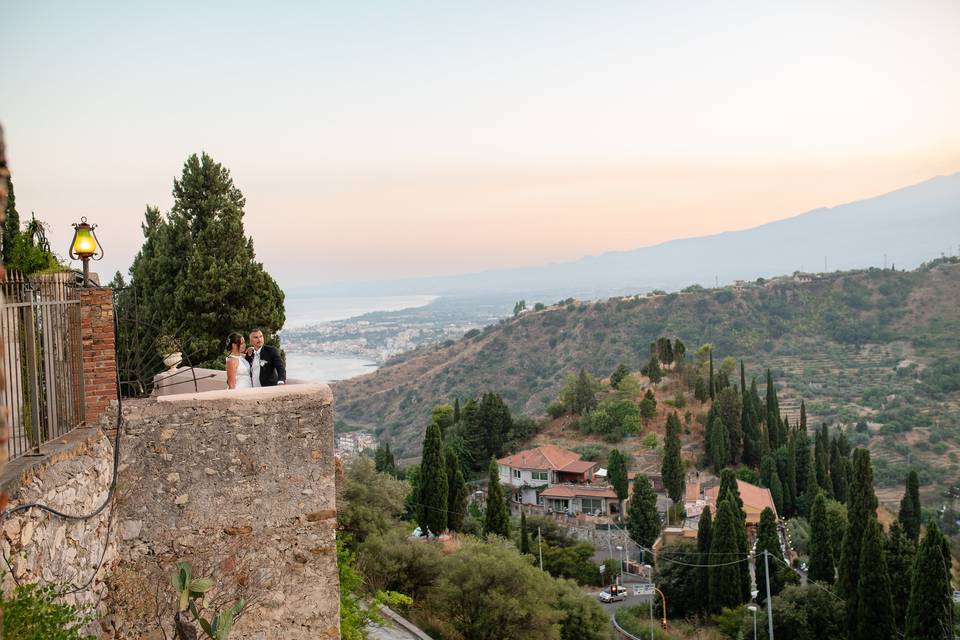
[(755, 500), (802, 278), (576, 499), (531, 471)]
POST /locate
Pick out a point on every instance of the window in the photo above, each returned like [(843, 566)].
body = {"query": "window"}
[(539, 499), (590, 505), (516, 473), (540, 475)]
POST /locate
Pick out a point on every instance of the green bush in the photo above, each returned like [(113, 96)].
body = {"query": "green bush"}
[(555, 409), (636, 621), (32, 613)]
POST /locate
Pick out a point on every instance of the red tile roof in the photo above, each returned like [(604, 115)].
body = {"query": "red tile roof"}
[(579, 466), (573, 491), (545, 458), (755, 500)]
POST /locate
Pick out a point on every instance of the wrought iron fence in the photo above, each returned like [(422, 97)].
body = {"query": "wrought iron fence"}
[(40, 327)]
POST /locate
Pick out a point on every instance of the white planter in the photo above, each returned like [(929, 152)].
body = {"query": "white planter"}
[(171, 360)]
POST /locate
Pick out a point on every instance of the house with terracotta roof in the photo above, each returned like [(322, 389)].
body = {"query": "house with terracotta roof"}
[(531, 471), (755, 500), (572, 498)]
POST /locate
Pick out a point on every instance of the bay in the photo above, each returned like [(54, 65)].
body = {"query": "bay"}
[(327, 367)]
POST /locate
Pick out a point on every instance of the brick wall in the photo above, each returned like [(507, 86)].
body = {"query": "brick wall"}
[(99, 360)]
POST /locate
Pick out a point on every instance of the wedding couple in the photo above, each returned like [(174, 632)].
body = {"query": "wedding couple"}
[(259, 365)]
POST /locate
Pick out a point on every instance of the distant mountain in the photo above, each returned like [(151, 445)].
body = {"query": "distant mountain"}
[(908, 226)]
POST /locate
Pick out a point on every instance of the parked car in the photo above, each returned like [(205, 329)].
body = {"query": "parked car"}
[(607, 596)]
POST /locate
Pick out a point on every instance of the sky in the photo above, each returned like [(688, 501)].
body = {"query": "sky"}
[(377, 140)]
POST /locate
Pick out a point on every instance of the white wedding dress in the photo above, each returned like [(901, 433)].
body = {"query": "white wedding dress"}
[(244, 381)]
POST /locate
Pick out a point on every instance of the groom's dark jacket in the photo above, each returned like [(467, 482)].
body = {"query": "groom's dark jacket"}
[(271, 366)]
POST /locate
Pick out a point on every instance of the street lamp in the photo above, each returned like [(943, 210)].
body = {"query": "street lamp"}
[(620, 572), (753, 608), (85, 246)]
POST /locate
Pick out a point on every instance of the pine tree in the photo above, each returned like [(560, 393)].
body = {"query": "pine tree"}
[(11, 224), (725, 577), (768, 540), (861, 511), (496, 519), (910, 512), (672, 468), (524, 535), (821, 550), (457, 492), (652, 370), (617, 476), (432, 503), (618, 375), (900, 551), (643, 521), (704, 540), (930, 611), (874, 610)]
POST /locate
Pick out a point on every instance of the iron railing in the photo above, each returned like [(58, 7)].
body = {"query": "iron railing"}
[(40, 327)]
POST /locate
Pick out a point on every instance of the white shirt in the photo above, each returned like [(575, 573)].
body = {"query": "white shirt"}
[(255, 368)]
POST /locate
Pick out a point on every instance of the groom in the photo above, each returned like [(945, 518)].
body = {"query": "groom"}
[(266, 366)]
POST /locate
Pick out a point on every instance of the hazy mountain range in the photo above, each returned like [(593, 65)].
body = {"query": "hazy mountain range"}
[(904, 228)]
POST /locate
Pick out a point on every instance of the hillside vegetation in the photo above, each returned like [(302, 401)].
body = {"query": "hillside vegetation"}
[(874, 350)]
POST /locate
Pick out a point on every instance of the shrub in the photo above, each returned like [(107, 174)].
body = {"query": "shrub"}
[(32, 613), (555, 409), (649, 441)]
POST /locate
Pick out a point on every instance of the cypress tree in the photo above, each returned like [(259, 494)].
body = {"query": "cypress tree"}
[(457, 493), (772, 418), (728, 487), (652, 370), (930, 611), (524, 535), (874, 610), (432, 505), (730, 491), (861, 511), (803, 463), (672, 468), (821, 550), (719, 444), (700, 390), (822, 455), (712, 382), (803, 417), (743, 383), (791, 479), (643, 521), (910, 513), (704, 541), (776, 491), (617, 476), (767, 468), (811, 489), (728, 408), (456, 410), (900, 551), (750, 430), (11, 224), (838, 472), (763, 433), (768, 540), (725, 577), (496, 519)]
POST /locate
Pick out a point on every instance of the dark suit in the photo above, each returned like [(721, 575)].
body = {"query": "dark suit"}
[(271, 366)]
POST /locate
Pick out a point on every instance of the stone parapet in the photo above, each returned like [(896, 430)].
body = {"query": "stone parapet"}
[(241, 485)]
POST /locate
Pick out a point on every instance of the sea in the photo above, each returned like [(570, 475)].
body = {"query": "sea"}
[(306, 311)]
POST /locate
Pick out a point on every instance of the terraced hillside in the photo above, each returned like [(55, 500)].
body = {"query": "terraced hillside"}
[(879, 347)]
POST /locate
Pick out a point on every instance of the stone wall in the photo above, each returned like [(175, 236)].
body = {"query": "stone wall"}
[(73, 477), (240, 484)]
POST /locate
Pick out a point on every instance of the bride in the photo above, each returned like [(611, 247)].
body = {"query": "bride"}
[(238, 369)]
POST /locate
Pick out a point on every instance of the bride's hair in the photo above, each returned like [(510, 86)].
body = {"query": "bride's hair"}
[(234, 339)]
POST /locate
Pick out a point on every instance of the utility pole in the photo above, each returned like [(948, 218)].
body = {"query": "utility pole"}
[(540, 547), (766, 568)]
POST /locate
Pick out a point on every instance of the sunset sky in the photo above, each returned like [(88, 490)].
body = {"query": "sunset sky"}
[(375, 140)]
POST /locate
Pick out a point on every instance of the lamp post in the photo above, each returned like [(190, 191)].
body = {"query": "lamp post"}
[(753, 609), (85, 246)]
